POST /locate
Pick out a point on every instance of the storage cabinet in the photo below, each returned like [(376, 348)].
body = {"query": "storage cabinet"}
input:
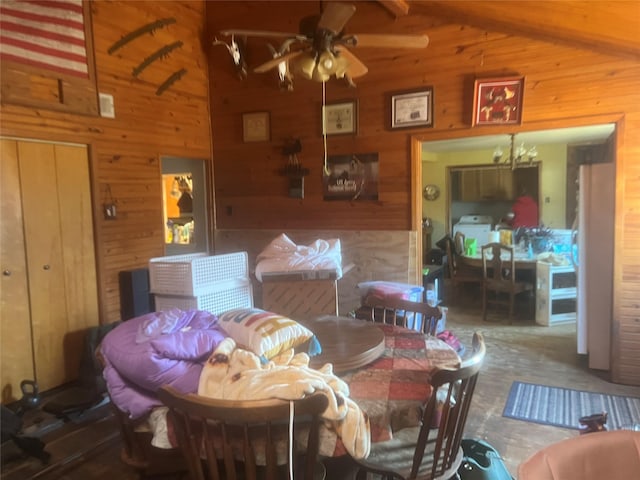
[(491, 183), (49, 290), (555, 294), (475, 184)]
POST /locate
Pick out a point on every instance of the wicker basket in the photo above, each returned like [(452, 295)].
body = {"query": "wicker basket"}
[(226, 296), (195, 274)]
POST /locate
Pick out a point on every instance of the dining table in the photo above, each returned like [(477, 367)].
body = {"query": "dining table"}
[(387, 368), (523, 261)]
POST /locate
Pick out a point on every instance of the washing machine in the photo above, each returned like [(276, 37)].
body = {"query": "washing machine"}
[(475, 226)]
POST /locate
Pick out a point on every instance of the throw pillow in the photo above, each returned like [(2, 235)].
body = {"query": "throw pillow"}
[(267, 334)]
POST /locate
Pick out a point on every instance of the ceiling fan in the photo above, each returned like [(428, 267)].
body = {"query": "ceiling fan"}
[(322, 49)]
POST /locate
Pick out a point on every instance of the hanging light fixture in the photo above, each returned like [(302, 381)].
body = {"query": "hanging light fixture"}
[(518, 156)]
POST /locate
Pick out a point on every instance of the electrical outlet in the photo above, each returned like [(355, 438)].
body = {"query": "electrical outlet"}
[(107, 109)]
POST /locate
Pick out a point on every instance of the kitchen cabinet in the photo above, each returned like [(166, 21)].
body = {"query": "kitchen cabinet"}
[(491, 183), (49, 289)]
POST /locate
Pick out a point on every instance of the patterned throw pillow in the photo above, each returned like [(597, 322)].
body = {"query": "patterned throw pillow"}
[(266, 334)]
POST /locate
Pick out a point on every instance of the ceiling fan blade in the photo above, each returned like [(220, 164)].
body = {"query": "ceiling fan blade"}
[(335, 16), (356, 68), (274, 62), (390, 41), (262, 33)]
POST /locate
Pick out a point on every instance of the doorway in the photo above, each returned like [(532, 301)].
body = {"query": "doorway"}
[(184, 206), (481, 148)]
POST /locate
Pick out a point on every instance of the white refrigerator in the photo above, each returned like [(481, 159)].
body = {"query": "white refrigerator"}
[(595, 240)]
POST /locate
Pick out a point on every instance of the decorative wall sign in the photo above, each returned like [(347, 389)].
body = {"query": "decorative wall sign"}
[(159, 54), (27, 36), (255, 127), (412, 108), (498, 101), (340, 118), (47, 45), (351, 177)]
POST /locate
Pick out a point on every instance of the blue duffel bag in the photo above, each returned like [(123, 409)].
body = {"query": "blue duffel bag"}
[(481, 462)]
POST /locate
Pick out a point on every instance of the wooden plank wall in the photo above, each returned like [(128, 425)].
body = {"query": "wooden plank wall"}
[(565, 86), (362, 258), (126, 151)]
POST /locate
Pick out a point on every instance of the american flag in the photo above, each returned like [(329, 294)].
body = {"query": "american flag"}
[(47, 34)]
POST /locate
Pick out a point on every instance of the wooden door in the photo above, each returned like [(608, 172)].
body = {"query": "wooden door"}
[(59, 245), (57, 210), (44, 259), (16, 354)]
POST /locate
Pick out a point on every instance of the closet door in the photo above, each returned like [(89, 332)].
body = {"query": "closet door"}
[(56, 202), (16, 354)]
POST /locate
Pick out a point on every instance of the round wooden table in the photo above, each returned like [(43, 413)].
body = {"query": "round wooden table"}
[(347, 343)]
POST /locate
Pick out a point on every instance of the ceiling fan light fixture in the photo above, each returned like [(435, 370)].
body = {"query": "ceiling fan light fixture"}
[(306, 65), (342, 66), (320, 76), (327, 63)]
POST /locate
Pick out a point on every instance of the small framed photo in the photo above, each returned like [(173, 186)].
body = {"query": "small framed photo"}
[(256, 127), (340, 118), (412, 108), (498, 101)]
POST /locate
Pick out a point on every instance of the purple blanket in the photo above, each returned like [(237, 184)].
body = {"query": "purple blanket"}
[(160, 348)]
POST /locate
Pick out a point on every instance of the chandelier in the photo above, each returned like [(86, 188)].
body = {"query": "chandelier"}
[(518, 156)]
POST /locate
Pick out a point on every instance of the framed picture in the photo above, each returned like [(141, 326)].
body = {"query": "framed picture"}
[(498, 101), (412, 108), (255, 127), (340, 118)]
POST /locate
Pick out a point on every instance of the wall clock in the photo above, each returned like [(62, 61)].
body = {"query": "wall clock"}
[(431, 192)]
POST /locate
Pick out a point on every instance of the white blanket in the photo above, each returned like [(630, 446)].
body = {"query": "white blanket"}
[(283, 255), (235, 374)]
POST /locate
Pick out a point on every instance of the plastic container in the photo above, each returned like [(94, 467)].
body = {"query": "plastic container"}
[(382, 290), (195, 274), (226, 296)]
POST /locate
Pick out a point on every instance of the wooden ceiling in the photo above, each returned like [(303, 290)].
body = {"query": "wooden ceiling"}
[(609, 27)]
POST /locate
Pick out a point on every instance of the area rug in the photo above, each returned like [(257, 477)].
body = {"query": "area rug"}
[(563, 407)]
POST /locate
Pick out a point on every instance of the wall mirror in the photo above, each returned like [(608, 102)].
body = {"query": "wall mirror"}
[(184, 206)]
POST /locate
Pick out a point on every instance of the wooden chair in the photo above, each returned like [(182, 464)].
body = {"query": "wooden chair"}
[(245, 439), (499, 276), (137, 451), (460, 274), (432, 450), (458, 243), (397, 311)]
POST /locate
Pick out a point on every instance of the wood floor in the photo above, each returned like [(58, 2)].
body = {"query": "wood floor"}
[(526, 352), (523, 351)]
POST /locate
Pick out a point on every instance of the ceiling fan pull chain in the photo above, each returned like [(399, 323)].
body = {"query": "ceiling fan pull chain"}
[(324, 129)]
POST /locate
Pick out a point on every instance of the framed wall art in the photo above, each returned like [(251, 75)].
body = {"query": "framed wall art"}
[(255, 127), (498, 101), (412, 108), (340, 118)]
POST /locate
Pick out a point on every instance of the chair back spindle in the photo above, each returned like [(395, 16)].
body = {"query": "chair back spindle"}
[(245, 439), (499, 277), (397, 311)]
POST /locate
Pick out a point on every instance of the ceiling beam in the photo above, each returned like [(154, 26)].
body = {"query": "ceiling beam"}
[(608, 27)]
